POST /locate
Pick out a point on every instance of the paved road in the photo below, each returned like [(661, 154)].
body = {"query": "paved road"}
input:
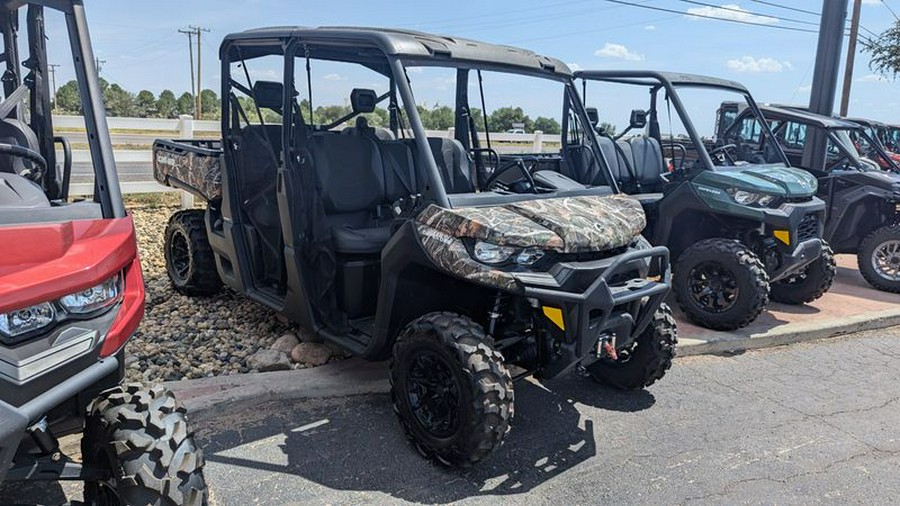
[(809, 423), (83, 172), (802, 424)]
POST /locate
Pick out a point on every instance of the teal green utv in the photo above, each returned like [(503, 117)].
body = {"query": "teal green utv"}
[(741, 224)]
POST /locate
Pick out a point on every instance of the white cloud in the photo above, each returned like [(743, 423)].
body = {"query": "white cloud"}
[(650, 27), (618, 51), (871, 78), (871, 2), (333, 77), (265, 75), (806, 88), (751, 64), (574, 67), (729, 11)]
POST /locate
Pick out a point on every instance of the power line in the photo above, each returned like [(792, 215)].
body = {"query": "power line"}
[(190, 35), (742, 11), (785, 7), (889, 8), (693, 14)]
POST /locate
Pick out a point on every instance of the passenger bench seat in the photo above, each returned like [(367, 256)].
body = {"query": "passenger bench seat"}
[(351, 176)]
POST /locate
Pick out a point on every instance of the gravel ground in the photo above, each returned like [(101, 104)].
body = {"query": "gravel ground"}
[(191, 337)]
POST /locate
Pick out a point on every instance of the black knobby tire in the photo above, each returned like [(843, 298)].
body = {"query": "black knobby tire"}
[(809, 284), (476, 384), (190, 262), (141, 435), (748, 275), (880, 238), (646, 361)]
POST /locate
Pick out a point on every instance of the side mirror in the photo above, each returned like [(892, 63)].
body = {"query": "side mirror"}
[(593, 116), (363, 100), (638, 119)]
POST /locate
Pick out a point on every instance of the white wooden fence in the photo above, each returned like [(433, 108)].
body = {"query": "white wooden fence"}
[(142, 132)]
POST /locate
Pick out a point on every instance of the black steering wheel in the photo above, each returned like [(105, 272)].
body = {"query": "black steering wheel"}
[(523, 184), (724, 151), (35, 173)]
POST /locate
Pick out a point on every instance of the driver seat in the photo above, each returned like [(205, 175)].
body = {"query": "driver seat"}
[(17, 133)]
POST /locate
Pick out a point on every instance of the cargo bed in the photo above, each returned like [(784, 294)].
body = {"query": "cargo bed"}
[(193, 165)]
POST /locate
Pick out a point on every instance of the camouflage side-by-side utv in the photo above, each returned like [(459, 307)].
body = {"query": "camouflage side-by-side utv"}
[(468, 265)]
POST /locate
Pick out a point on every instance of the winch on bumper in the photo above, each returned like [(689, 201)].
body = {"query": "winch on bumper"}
[(584, 301)]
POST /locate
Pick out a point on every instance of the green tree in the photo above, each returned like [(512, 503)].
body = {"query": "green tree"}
[(547, 125), (503, 119), (185, 104), (210, 104), (884, 51), (145, 103), (166, 104), (68, 100), (607, 128), (119, 102), (325, 115)]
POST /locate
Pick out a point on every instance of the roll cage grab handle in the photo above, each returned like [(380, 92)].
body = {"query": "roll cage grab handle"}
[(106, 181)]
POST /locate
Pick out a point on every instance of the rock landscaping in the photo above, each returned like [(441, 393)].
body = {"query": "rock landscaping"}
[(195, 337)]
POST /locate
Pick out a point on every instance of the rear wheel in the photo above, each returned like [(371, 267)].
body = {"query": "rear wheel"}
[(141, 435), (810, 283), (720, 284), (648, 358), (190, 262), (879, 258), (450, 389)]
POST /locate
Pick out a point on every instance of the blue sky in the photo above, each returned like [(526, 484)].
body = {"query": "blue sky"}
[(143, 50)]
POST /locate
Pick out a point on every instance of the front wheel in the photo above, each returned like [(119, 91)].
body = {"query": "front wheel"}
[(142, 437), (720, 284), (879, 258), (810, 283), (648, 358), (450, 389)]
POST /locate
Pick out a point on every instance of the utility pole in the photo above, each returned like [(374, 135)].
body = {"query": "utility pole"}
[(199, 31), (851, 56), (825, 76), (98, 64), (52, 68), (190, 34)]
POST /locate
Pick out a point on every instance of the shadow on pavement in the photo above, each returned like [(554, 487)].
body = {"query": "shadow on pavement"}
[(356, 444), (43, 492)]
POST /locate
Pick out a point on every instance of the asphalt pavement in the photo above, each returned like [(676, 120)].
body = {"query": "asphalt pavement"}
[(810, 423), (801, 424)]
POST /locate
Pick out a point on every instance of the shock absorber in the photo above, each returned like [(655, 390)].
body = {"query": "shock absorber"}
[(496, 312)]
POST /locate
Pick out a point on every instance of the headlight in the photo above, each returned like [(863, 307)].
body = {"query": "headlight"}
[(490, 253), (494, 254), (529, 256), (746, 198), (22, 321), (93, 298)]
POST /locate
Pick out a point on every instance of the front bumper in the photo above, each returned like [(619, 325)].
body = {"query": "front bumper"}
[(804, 224), (14, 420), (609, 296)]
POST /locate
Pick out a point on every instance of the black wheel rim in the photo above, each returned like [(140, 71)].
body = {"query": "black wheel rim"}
[(179, 256), (433, 393), (713, 287)]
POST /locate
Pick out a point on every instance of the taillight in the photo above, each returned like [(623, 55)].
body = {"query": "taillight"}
[(130, 313)]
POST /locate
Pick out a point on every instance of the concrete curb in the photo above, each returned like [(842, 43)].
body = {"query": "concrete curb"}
[(208, 397), (726, 342), (211, 396)]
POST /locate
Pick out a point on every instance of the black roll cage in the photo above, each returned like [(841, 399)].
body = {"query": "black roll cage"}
[(106, 186), (245, 48), (670, 82)]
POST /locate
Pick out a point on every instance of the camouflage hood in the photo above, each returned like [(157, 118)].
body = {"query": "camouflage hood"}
[(566, 225)]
